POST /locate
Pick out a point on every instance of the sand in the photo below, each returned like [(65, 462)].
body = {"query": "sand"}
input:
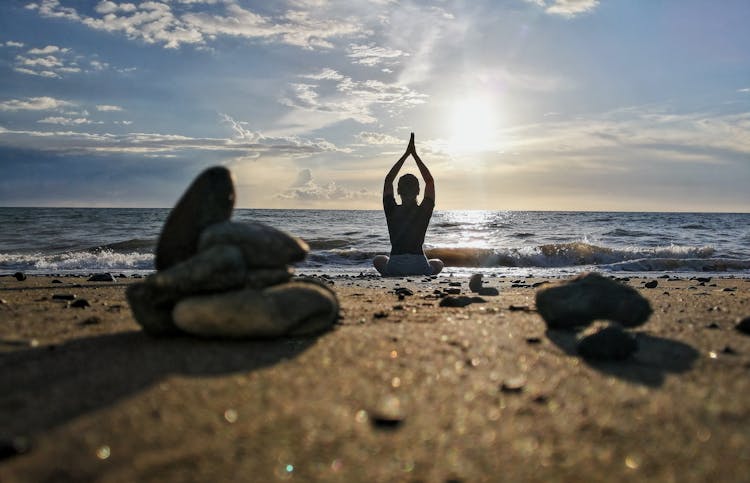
[(400, 390)]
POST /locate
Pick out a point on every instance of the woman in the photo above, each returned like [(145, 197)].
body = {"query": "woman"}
[(407, 222)]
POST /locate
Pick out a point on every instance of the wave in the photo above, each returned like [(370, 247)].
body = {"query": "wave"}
[(134, 244), (327, 243), (627, 233), (78, 260), (523, 235), (694, 226)]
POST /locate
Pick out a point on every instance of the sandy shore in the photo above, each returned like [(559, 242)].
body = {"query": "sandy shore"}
[(400, 390)]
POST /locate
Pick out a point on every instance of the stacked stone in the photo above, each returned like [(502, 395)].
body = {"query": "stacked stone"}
[(218, 278)]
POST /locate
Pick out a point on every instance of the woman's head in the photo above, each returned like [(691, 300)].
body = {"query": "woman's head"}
[(408, 187)]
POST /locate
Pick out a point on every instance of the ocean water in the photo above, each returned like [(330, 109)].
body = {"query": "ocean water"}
[(84, 240)]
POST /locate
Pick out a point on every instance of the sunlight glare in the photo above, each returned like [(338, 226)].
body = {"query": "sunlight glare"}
[(474, 125)]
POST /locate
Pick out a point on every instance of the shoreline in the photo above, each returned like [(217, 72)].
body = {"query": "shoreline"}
[(399, 390)]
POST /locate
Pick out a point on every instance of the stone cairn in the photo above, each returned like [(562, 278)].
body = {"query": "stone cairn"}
[(219, 278)]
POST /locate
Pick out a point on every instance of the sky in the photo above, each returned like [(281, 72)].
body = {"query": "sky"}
[(603, 105)]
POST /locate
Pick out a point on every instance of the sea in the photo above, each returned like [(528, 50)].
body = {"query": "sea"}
[(514, 243)]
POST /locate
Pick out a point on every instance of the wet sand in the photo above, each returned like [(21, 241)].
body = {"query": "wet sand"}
[(400, 390)]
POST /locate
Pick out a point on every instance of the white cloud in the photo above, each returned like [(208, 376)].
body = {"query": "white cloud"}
[(566, 8), (378, 138), (746, 89), (50, 49), (34, 104), (373, 55), (183, 22), (108, 108), (66, 121), (306, 189), (55, 62), (11, 43), (350, 99)]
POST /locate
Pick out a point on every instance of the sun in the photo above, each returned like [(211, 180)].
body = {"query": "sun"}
[(473, 124)]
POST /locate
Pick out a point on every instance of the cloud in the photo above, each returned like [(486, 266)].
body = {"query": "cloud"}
[(67, 121), (566, 8), (189, 22), (108, 108), (746, 89), (378, 138), (11, 43), (348, 98), (306, 189), (373, 55), (34, 104), (55, 62)]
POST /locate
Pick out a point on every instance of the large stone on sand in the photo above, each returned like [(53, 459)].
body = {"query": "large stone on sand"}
[(216, 269), (151, 309), (208, 200), (588, 297), (296, 308), (261, 245)]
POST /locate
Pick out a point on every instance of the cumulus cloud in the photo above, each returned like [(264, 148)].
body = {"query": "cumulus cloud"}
[(34, 104), (11, 43), (67, 121), (305, 188), (349, 98), (566, 8), (185, 22), (108, 108)]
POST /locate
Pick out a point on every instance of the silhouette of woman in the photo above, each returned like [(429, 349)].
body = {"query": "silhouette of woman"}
[(407, 222)]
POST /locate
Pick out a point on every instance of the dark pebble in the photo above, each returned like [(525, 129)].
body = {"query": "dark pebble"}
[(703, 279), (63, 296), (488, 291), (539, 284), (57, 281), (461, 301), (80, 303), (475, 282), (713, 325), (20, 276), (651, 284), (533, 340), (403, 291), (453, 291), (519, 308), (744, 326), (730, 289), (610, 343), (101, 277), (729, 351), (380, 315), (454, 284)]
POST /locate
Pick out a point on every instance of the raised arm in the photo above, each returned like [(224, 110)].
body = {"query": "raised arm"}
[(429, 183), (391, 176)]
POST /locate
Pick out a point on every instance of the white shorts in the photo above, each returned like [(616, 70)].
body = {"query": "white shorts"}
[(408, 264)]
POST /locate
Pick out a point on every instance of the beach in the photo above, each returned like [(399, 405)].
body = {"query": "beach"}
[(401, 389)]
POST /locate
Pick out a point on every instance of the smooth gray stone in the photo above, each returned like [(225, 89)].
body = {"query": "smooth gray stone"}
[(610, 343), (208, 200), (261, 245), (288, 309), (151, 310), (588, 297)]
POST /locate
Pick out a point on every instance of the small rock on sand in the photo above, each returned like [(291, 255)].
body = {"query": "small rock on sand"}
[(488, 292), (261, 245), (588, 297), (461, 301), (744, 326), (208, 200), (80, 304), (651, 284), (20, 276), (101, 277), (475, 282), (610, 343), (388, 413)]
